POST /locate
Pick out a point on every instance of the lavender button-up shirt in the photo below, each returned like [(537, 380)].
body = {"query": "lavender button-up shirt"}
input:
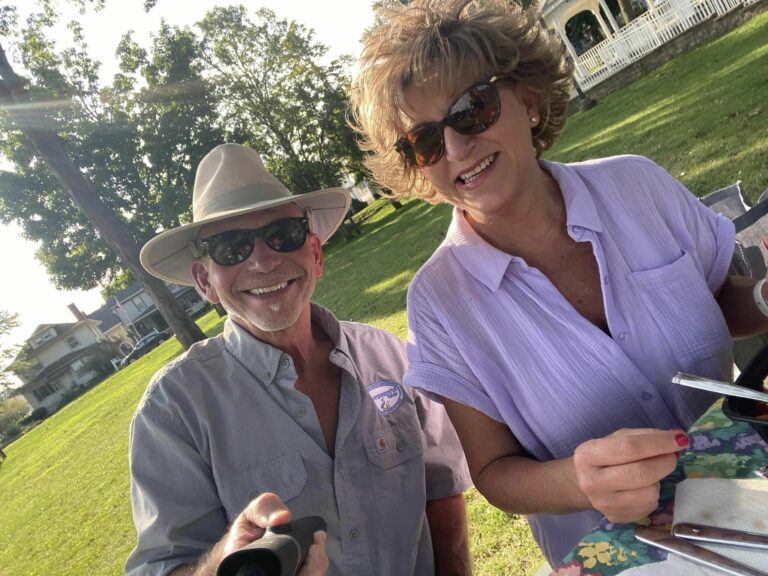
[(491, 332)]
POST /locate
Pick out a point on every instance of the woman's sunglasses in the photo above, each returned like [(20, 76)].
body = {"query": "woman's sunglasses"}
[(235, 246), (474, 111)]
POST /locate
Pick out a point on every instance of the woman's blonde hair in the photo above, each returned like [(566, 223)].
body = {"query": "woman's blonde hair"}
[(436, 42)]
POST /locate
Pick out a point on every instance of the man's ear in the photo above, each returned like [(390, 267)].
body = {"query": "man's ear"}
[(202, 282), (317, 252)]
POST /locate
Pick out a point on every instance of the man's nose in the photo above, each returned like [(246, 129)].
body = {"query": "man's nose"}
[(263, 259), (457, 145)]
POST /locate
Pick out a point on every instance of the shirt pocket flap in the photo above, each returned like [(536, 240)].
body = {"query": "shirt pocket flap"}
[(391, 447), (285, 476), (686, 312)]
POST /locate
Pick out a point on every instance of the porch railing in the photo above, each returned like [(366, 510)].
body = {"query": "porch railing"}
[(667, 19)]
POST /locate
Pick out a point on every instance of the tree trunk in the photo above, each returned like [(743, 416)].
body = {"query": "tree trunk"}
[(15, 100)]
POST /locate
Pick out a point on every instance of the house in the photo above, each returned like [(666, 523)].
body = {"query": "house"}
[(138, 313), (58, 357)]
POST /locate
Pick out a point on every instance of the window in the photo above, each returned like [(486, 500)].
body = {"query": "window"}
[(139, 303), (73, 342), (47, 389)]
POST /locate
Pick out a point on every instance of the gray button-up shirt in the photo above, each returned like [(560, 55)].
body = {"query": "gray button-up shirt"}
[(223, 423)]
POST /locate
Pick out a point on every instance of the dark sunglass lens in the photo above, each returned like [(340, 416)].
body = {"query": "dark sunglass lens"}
[(285, 235), (476, 110), (427, 144), (230, 248)]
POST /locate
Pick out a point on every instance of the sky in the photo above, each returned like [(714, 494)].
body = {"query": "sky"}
[(25, 288)]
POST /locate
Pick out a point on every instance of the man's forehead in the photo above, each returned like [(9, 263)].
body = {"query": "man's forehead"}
[(252, 219)]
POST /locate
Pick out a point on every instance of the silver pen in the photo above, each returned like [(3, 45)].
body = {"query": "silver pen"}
[(724, 388), (694, 553), (716, 535)]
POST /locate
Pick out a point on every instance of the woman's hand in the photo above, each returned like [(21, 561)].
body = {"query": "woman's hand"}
[(621, 473)]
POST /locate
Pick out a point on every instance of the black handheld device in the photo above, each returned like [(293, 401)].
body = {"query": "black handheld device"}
[(280, 552)]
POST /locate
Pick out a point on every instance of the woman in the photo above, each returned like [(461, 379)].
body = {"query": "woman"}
[(564, 297)]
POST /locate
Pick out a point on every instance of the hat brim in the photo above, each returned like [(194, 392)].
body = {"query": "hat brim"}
[(169, 257)]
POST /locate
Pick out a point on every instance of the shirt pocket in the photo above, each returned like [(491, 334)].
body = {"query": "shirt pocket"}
[(285, 476), (388, 447), (686, 313)]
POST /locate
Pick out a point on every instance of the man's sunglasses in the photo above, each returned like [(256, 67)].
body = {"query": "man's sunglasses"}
[(235, 246), (472, 112)]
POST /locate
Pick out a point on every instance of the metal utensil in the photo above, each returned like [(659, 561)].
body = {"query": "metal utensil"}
[(694, 553), (724, 388), (715, 535)]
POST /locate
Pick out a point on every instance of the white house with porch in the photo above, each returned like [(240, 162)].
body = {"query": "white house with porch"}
[(663, 21)]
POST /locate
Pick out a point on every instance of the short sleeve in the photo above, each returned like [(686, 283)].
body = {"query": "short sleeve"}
[(445, 467), (176, 509), (435, 365), (712, 235)]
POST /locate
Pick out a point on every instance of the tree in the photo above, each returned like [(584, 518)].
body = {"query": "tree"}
[(277, 97), (8, 322), (84, 182)]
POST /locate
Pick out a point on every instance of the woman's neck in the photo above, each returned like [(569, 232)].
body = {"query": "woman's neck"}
[(535, 217)]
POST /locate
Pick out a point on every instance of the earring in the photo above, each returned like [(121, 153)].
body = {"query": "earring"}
[(534, 120)]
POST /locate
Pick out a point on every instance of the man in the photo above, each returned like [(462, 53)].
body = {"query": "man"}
[(286, 401)]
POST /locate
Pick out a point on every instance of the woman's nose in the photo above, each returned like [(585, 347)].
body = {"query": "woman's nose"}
[(457, 145)]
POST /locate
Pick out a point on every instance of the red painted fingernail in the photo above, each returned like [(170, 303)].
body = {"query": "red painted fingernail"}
[(682, 440)]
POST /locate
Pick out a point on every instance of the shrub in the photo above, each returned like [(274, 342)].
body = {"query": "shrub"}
[(11, 432), (39, 414)]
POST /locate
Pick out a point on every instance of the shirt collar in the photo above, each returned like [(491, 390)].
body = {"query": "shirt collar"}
[(488, 264), (262, 360)]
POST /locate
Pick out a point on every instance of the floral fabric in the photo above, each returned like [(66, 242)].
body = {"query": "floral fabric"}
[(719, 448)]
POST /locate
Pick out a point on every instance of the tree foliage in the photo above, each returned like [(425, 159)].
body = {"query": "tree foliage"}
[(276, 95), (8, 322), (138, 139)]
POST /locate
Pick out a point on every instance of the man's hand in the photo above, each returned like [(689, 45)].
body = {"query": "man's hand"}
[(621, 473), (264, 512)]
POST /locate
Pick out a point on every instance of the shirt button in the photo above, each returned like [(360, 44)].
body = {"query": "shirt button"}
[(623, 336), (576, 229), (300, 412), (284, 362), (646, 396), (267, 377), (354, 534), (401, 445)]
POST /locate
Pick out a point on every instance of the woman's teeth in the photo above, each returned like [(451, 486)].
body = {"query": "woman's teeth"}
[(472, 174), (268, 289)]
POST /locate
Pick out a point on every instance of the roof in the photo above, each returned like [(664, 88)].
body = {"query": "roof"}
[(59, 328), (125, 293), (105, 315), (51, 369)]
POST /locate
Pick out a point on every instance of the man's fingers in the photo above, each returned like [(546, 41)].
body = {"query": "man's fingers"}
[(627, 446), (267, 510), (316, 563)]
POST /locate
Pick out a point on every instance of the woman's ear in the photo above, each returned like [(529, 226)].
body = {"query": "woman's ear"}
[(530, 101)]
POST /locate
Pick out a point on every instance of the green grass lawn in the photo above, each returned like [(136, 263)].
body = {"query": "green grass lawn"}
[(65, 484)]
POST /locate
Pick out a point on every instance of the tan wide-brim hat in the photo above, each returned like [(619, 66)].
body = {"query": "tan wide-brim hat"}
[(231, 181)]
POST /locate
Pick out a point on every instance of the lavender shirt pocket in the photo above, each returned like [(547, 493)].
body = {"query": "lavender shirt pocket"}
[(688, 317), (285, 476)]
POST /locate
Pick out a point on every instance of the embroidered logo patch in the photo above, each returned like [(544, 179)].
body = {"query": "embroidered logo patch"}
[(387, 395)]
